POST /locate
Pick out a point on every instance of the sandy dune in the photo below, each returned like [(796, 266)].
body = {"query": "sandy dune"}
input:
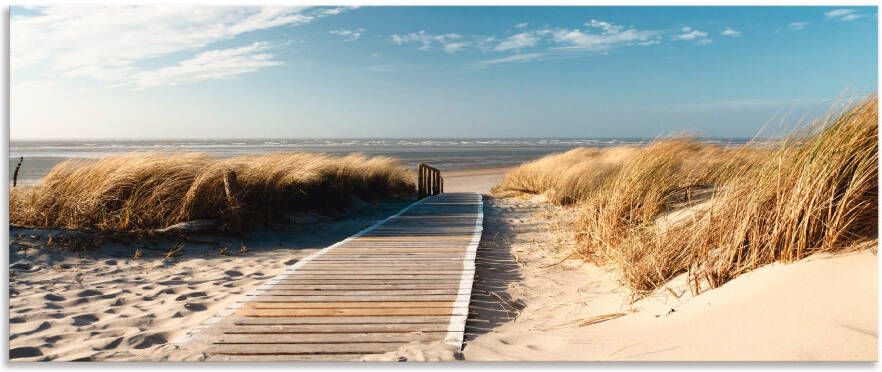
[(103, 304), (821, 308)]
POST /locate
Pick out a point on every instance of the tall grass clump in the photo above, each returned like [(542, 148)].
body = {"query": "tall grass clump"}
[(153, 190), (646, 185), (764, 202), (818, 193), (568, 177)]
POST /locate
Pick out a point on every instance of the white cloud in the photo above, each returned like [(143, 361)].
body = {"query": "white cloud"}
[(843, 14), (518, 41), (521, 25), (611, 36), (526, 57), (108, 43), (731, 32), (796, 26), (689, 34), (608, 28), (450, 42), (348, 35), (210, 65)]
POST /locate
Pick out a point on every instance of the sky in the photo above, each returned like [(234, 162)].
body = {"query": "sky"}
[(162, 71)]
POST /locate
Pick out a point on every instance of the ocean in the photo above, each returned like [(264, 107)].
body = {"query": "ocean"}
[(445, 154)]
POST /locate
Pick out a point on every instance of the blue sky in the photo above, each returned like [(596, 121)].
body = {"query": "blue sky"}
[(210, 72)]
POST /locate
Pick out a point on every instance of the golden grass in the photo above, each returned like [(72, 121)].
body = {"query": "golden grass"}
[(816, 191), (153, 190)]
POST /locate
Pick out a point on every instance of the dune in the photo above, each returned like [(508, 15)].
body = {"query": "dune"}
[(820, 308)]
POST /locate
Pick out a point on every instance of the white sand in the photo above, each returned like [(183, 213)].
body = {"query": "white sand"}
[(821, 308), (473, 180), (105, 305)]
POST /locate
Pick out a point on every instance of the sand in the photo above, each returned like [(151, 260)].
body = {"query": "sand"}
[(103, 304), (473, 180), (821, 308)]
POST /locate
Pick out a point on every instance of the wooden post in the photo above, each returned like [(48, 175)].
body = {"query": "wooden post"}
[(15, 175), (420, 181), (231, 189), (429, 181)]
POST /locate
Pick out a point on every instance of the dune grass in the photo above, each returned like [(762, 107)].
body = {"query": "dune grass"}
[(153, 190), (816, 191)]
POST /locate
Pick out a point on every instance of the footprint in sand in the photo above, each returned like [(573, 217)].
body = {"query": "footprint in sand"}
[(89, 293), (143, 342), (233, 273), (85, 319), (53, 297), (191, 295), (21, 266), (192, 306), (112, 344), (24, 352)]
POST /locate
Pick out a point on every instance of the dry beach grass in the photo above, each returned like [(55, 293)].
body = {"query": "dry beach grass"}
[(152, 190), (817, 191)]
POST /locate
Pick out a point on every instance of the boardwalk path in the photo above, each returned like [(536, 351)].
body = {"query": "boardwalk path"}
[(408, 278)]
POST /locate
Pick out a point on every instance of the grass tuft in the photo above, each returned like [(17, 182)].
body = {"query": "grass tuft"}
[(154, 190)]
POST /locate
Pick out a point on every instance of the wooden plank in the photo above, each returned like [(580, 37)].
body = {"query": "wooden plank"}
[(348, 312), (316, 275), (311, 349), (367, 287), (284, 357), (325, 321), (324, 298), (387, 327), (365, 281), (348, 305), (275, 291), (380, 271), (330, 338)]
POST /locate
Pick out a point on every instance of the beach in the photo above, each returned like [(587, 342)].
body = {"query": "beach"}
[(127, 300)]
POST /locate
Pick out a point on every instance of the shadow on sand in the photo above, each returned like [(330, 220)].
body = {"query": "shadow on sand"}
[(496, 268)]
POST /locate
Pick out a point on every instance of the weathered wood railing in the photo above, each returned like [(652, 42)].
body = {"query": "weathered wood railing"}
[(429, 181)]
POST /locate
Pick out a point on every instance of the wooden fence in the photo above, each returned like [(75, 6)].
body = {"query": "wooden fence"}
[(429, 181)]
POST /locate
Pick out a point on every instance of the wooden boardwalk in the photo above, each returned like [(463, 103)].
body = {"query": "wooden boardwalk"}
[(407, 278)]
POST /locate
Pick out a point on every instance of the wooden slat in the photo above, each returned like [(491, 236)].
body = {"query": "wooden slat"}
[(316, 275), (348, 305), (367, 287), (284, 357), (347, 312), (275, 291), (333, 328), (329, 338), (325, 321), (325, 298), (311, 349)]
